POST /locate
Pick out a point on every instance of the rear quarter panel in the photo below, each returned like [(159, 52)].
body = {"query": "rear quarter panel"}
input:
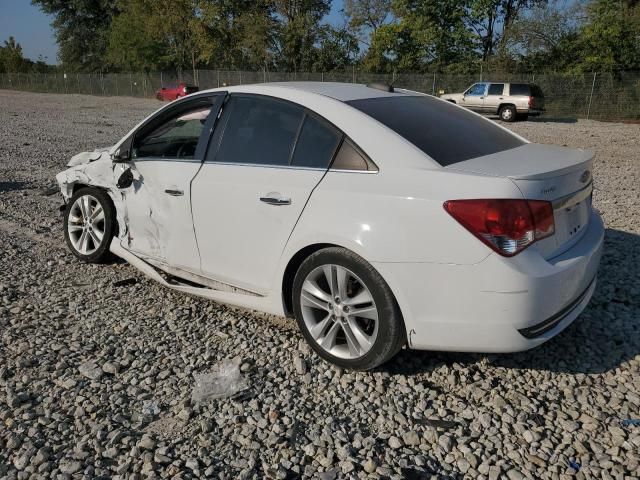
[(396, 215)]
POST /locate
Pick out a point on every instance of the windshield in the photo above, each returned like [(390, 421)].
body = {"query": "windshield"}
[(447, 133)]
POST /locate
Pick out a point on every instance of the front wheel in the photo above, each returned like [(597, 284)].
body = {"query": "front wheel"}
[(346, 311), (89, 224)]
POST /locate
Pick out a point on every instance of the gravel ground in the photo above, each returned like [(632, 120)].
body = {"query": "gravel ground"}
[(81, 359)]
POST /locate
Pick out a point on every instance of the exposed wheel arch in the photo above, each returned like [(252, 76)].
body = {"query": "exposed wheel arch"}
[(292, 268), (79, 186), (290, 272)]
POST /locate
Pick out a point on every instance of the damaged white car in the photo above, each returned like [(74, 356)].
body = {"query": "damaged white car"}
[(377, 218)]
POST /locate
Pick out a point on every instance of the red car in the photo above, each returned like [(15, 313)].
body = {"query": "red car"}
[(174, 91)]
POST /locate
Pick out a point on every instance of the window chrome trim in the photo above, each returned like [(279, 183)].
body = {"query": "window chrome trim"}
[(340, 170), (265, 165)]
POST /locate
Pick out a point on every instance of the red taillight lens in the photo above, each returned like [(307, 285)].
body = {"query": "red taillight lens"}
[(507, 226), (530, 102)]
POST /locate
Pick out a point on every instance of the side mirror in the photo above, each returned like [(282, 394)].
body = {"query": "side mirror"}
[(120, 157), (123, 153)]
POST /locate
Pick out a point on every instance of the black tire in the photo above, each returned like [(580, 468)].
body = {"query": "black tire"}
[(101, 253), (508, 113), (391, 334)]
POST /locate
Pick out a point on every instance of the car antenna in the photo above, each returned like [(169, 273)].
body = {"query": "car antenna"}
[(381, 86)]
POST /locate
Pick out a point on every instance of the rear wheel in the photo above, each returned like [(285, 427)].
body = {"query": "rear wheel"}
[(89, 224), (507, 113), (346, 310)]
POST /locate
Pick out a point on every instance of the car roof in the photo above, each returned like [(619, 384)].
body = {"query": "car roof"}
[(343, 92)]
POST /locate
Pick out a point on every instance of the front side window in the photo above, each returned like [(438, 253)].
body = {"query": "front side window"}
[(259, 131), (476, 90), (496, 89), (176, 137), (316, 144)]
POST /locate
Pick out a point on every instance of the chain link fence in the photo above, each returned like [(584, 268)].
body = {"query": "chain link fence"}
[(600, 96)]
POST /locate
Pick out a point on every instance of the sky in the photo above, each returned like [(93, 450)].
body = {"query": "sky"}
[(32, 29)]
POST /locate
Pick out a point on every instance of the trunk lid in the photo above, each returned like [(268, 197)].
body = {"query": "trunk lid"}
[(546, 172)]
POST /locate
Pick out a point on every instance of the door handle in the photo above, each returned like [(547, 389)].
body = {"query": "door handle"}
[(174, 193), (274, 199)]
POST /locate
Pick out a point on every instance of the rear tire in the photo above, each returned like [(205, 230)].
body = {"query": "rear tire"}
[(89, 224), (355, 324), (507, 113)]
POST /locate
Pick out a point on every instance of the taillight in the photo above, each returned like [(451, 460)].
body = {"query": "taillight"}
[(507, 226), (184, 89), (530, 102)]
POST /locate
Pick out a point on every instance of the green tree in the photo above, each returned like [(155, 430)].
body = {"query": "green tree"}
[(132, 45), (82, 30), (610, 39), (337, 48), (425, 33), (491, 21), (11, 59), (297, 32), (365, 17)]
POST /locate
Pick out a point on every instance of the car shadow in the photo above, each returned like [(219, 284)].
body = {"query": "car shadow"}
[(546, 119), (603, 337), (12, 186)]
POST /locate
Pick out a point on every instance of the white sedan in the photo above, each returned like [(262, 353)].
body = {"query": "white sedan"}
[(377, 218)]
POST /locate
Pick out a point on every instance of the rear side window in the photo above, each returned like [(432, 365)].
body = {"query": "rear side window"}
[(316, 144), (350, 158), (496, 89), (259, 131), (519, 89), (447, 133)]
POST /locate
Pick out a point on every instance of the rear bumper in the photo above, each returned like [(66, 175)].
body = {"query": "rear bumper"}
[(500, 304), (530, 111)]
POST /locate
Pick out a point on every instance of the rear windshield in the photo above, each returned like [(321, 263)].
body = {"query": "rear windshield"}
[(447, 133), (536, 91)]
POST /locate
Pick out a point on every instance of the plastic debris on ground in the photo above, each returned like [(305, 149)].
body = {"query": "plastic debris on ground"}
[(225, 381), (631, 422), (150, 407), (575, 465), (125, 282)]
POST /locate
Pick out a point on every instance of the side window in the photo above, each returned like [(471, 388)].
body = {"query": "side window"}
[(519, 89), (350, 158), (496, 89), (176, 137), (476, 90), (316, 144), (259, 131)]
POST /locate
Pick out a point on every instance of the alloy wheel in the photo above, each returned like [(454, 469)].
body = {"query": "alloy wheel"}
[(339, 311), (86, 224)]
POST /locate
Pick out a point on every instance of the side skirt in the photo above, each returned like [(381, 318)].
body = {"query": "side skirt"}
[(245, 300)]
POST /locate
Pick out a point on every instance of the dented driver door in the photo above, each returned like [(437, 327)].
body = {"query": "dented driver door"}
[(166, 155)]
